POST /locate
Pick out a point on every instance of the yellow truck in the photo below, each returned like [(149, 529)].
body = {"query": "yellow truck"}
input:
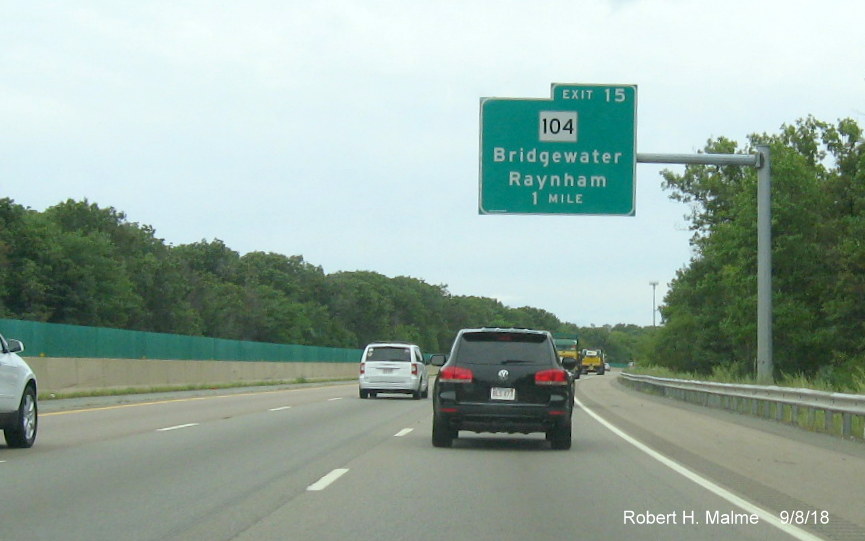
[(592, 360), (569, 347)]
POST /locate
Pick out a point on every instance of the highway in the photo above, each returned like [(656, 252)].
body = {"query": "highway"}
[(318, 463)]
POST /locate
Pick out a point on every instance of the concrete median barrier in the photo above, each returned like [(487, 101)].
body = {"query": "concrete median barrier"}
[(72, 375)]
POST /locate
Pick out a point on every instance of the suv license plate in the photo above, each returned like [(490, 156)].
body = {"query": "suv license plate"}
[(503, 393)]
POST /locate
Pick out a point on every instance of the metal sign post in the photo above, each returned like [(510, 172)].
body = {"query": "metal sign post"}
[(764, 267), (760, 160)]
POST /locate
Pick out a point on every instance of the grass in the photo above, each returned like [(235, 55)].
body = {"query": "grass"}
[(178, 388)]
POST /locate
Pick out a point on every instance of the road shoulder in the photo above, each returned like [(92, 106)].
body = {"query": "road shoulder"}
[(781, 467)]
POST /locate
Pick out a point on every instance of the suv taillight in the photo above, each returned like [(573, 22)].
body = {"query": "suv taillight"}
[(413, 369), (553, 376), (455, 374)]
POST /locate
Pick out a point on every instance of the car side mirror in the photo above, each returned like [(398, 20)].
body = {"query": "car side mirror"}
[(438, 360), (15, 346)]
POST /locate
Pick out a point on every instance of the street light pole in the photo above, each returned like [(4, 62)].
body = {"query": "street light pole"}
[(653, 284)]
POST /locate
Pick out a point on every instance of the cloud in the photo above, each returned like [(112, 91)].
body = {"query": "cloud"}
[(347, 132)]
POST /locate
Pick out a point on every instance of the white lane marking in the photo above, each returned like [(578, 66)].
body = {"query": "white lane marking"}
[(160, 402), (280, 408), (326, 481), (705, 483), (402, 432), (332, 399), (178, 427)]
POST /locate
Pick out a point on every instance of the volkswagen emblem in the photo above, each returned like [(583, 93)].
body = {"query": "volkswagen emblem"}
[(503, 375)]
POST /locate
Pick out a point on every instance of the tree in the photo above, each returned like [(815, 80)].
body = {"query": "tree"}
[(81, 264), (710, 309), (22, 280)]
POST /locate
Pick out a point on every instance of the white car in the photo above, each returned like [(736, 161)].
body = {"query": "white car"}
[(393, 367), (18, 408)]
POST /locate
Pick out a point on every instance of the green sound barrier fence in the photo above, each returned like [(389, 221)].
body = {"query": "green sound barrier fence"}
[(58, 340)]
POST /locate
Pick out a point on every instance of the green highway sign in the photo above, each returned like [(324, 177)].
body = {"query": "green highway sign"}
[(574, 153)]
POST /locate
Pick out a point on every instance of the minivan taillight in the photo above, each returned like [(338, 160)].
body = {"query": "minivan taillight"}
[(455, 374), (362, 368), (553, 376), (413, 369)]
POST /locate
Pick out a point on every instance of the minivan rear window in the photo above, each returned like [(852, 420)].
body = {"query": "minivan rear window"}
[(505, 348), (388, 353)]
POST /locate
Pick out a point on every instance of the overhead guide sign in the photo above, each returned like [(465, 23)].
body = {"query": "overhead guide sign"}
[(572, 154)]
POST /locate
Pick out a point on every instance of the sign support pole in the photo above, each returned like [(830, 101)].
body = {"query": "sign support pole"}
[(761, 162), (764, 267)]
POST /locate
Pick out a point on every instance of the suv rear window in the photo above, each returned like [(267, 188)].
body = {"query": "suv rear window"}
[(386, 353), (505, 348)]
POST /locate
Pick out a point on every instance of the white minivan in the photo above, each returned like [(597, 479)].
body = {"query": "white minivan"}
[(393, 367)]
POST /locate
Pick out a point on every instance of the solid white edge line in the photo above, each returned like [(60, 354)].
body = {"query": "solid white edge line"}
[(178, 427), (402, 432), (705, 483), (326, 481)]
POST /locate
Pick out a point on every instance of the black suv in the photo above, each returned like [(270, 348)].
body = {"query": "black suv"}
[(503, 380)]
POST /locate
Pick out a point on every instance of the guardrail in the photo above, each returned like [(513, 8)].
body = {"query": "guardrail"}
[(842, 414)]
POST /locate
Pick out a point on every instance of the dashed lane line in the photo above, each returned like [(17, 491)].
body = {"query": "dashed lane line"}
[(176, 427), (327, 480)]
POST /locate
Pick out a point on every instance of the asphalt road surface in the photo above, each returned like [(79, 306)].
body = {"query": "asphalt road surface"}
[(318, 463)]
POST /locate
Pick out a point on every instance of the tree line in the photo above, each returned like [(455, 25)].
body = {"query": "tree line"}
[(79, 264), (818, 251)]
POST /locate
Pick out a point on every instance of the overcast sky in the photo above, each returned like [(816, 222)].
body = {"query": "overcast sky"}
[(348, 131)]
